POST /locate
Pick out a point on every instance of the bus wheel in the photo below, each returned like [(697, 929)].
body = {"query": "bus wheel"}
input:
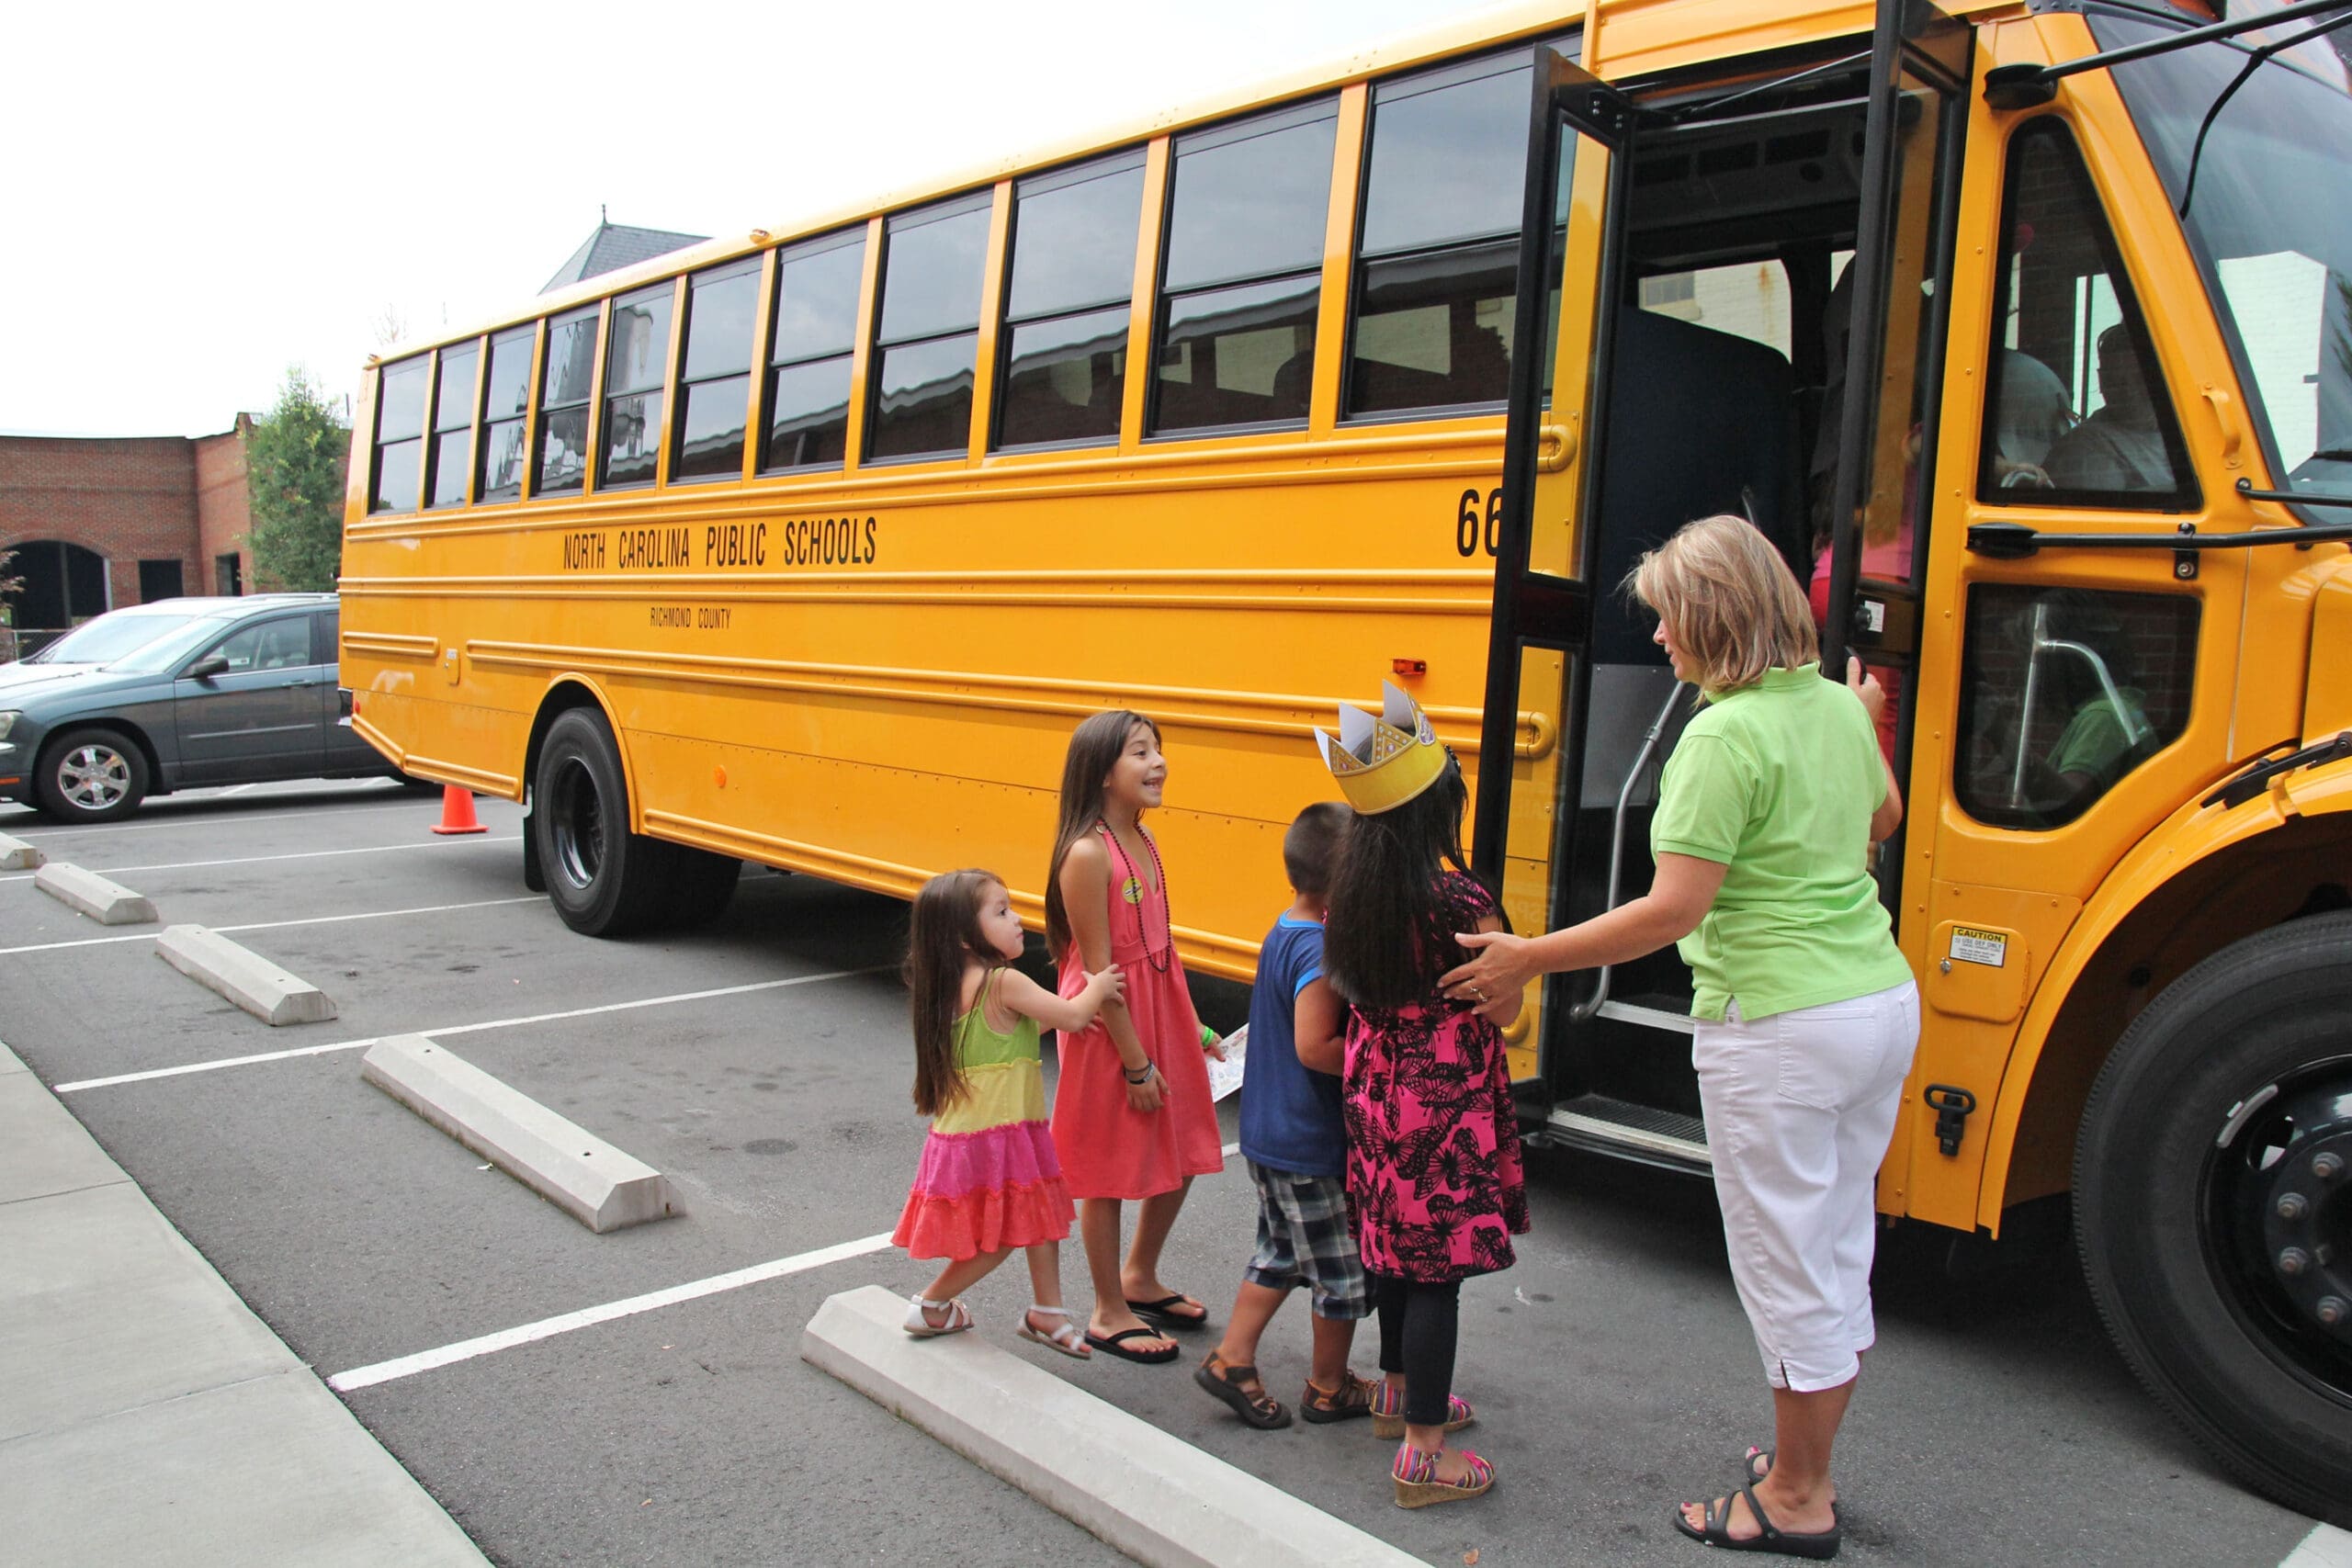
[(602, 879), (2214, 1207)]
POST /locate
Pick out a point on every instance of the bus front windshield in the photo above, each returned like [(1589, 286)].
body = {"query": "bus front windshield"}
[(2268, 207)]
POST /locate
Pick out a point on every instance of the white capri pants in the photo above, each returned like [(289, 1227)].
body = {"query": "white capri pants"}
[(1800, 1107)]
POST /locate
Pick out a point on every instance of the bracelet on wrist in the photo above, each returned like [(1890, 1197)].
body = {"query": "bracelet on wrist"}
[(1140, 1077)]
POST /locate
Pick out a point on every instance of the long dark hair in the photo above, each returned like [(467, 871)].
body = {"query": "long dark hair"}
[(1388, 936), (1095, 748), (943, 936)]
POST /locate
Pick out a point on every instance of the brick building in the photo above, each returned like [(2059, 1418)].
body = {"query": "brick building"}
[(97, 523)]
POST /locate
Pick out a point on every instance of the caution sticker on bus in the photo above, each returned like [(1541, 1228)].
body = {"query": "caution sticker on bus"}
[(1970, 945)]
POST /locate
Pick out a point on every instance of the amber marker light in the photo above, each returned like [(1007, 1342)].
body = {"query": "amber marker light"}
[(1409, 666)]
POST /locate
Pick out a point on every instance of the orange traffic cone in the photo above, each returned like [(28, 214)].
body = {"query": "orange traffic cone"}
[(457, 812)]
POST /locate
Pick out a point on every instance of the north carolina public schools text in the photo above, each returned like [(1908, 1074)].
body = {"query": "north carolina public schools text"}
[(802, 541)]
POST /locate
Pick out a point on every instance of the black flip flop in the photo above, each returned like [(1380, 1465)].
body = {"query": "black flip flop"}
[(1787, 1543), (1115, 1344), (1157, 1313)]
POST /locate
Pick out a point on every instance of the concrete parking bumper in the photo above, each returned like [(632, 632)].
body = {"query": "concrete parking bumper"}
[(109, 903), (602, 1187), (246, 978), (18, 856), (1153, 1496), (145, 1415)]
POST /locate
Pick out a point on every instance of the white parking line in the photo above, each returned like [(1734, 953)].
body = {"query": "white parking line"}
[(547, 1327), (305, 854), (2325, 1547), (215, 1065), (280, 925), (191, 820)]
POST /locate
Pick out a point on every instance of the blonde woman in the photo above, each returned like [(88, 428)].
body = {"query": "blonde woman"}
[(1805, 1015)]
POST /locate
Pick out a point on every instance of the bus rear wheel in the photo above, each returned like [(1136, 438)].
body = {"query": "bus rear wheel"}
[(2214, 1207), (602, 879)]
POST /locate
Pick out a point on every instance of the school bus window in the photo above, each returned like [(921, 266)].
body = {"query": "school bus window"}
[(929, 335), (715, 380), (1440, 239), (400, 435), (1243, 272), (810, 350), (1068, 301), (2064, 690), (506, 399), (2076, 411), (563, 403), (638, 349), (452, 452)]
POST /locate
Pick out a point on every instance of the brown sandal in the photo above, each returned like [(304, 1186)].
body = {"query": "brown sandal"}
[(1350, 1399), (1230, 1383)]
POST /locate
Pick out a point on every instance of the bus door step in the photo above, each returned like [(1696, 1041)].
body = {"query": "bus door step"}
[(1628, 1131)]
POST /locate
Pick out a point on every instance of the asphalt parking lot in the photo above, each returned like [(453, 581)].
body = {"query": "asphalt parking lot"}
[(762, 1062)]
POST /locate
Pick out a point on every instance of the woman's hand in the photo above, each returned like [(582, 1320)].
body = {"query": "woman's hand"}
[(1148, 1095), (1496, 975), (1865, 687)]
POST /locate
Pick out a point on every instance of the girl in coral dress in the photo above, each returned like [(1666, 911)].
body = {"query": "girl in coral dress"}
[(1132, 1114), (989, 1180)]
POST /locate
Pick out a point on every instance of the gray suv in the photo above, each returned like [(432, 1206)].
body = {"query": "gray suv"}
[(175, 694)]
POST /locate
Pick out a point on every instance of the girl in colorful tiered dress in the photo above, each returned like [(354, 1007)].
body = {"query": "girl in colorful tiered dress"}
[(1132, 1113), (1433, 1159), (989, 1180)]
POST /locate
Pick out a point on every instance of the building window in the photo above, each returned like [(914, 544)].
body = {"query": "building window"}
[(927, 338), (506, 403), (400, 435), (453, 427), (1242, 275), (715, 383), (228, 575), (158, 580), (1068, 301), (1436, 277), (564, 383), (810, 348), (636, 364)]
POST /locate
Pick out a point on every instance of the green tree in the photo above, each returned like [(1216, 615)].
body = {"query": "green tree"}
[(294, 460)]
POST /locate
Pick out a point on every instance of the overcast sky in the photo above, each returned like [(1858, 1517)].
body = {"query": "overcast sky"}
[(198, 197)]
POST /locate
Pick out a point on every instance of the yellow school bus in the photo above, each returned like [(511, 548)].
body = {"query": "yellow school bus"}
[(2023, 330)]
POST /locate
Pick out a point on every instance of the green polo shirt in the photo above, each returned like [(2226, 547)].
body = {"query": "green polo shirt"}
[(1777, 783)]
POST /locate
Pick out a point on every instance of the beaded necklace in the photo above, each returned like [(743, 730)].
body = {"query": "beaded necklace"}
[(1158, 961)]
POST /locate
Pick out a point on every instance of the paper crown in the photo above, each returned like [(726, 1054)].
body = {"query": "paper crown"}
[(1383, 762)]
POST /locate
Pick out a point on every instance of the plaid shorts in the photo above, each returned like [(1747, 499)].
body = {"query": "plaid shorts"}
[(1304, 1237)]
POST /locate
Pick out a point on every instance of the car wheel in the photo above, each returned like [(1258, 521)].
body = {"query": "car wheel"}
[(92, 775), (602, 879), (2214, 1207)]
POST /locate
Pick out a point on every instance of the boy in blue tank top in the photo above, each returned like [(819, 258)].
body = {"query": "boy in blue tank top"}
[(1295, 1139)]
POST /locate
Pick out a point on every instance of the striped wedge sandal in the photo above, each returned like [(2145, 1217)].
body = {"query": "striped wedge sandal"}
[(1388, 1411), (1417, 1485)]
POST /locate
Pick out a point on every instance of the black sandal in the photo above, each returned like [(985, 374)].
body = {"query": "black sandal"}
[(1162, 1314), (1747, 1462), (1822, 1545), (1115, 1344), (1223, 1381)]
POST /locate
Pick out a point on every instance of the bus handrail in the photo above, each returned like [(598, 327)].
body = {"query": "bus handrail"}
[(1591, 1005)]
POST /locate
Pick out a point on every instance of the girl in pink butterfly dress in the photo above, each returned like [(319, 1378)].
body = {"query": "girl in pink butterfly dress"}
[(1133, 1119)]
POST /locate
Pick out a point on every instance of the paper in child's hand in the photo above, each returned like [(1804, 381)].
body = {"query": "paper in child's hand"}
[(1226, 1076)]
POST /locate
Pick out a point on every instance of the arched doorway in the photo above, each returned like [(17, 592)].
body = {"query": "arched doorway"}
[(61, 584)]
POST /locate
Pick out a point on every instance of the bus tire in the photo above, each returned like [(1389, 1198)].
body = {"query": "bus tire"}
[(603, 880), (2213, 1208)]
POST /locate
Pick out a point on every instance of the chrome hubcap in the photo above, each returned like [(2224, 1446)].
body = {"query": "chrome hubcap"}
[(94, 777)]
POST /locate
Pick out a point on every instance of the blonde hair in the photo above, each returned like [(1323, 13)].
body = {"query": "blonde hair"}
[(1728, 602)]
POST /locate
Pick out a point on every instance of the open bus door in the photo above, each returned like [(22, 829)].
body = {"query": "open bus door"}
[(1702, 420)]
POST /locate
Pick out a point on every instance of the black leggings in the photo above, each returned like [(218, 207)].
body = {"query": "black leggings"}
[(1418, 1324)]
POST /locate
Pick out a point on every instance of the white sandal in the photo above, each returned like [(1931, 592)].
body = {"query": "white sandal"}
[(1067, 1338), (959, 1317)]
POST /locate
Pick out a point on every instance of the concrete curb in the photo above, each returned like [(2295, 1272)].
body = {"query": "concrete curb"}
[(1154, 1497), (18, 856), (109, 903), (587, 1178), (246, 978)]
